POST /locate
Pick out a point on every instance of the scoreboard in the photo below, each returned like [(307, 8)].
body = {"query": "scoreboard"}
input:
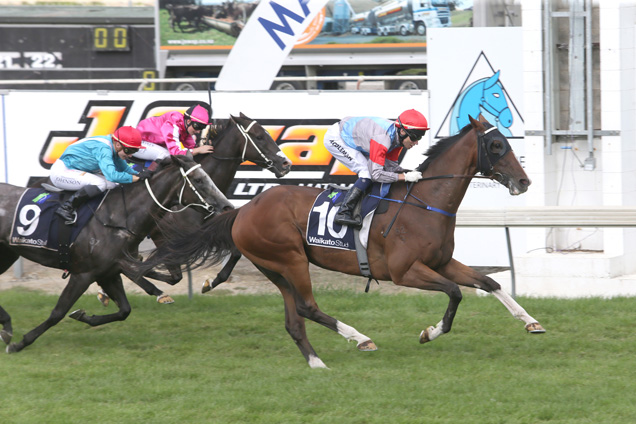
[(50, 47)]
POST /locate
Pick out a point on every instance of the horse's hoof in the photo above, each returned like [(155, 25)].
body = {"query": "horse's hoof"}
[(206, 287), (424, 335), (165, 299), (103, 298), (12, 348), (367, 346), (5, 336), (535, 328), (77, 314)]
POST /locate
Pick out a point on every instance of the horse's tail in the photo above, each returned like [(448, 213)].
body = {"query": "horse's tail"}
[(194, 246)]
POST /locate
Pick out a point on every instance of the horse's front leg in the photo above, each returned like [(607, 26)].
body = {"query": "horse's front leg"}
[(421, 277), (466, 276), (225, 273), (115, 289), (77, 284)]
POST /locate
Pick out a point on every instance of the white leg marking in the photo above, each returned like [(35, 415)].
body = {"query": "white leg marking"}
[(316, 362), (515, 309), (350, 333), (435, 332)]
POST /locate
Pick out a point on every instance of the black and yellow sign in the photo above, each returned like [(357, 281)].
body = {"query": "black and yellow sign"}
[(111, 38)]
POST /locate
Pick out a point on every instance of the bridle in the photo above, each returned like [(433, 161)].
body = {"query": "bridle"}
[(486, 160), (265, 163), (205, 205)]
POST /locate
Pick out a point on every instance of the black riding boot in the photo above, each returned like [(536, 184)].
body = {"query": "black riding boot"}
[(345, 214), (81, 196)]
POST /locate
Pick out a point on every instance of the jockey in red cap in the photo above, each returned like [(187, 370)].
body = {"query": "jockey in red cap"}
[(173, 133), (94, 164), (370, 147)]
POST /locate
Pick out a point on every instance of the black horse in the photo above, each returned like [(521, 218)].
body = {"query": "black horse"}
[(102, 250), (237, 140)]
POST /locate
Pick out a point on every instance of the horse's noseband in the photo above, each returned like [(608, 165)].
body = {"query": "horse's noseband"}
[(487, 155)]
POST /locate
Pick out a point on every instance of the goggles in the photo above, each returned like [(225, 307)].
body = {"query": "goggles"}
[(198, 126), (129, 150), (414, 135)]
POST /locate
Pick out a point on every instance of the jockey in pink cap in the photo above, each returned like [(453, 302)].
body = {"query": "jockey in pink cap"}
[(173, 133)]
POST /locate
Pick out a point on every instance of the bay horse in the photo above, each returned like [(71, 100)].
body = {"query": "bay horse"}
[(101, 250), (237, 139), (411, 244)]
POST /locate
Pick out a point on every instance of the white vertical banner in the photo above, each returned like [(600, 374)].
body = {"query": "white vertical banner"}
[(265, 42)]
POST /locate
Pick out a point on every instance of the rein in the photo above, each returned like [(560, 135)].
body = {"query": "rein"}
[(204, 204), (482, 156), (248, 139)]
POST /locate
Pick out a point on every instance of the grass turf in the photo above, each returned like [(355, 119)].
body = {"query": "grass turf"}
[(228, 359)]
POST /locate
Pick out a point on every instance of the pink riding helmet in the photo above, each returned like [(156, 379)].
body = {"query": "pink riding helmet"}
[(198, 114)]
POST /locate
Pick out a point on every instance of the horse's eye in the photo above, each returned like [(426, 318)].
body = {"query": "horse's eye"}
[(497, 147)]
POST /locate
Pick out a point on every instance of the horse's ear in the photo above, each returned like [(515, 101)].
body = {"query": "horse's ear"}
[(244, 116), (482, 118), (477, 125)]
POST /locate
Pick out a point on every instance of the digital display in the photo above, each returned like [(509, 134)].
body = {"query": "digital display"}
[(111, 38)]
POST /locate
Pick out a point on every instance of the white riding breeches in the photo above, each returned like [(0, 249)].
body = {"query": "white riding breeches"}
[(152, 151), (351, 158), (73, 179)]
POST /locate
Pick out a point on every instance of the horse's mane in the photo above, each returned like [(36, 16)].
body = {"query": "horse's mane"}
[(220, 126), (440, 147)]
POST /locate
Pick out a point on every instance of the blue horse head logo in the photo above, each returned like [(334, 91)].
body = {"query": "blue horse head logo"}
[(484, 96)]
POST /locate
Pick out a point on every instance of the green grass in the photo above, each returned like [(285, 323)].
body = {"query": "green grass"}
[(228, 359), (462, 18)]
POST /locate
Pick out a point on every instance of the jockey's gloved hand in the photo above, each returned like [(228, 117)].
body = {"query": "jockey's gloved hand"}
[(413, 176), (144, 174)]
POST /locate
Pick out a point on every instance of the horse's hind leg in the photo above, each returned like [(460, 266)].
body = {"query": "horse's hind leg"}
[(294, 323), (225, 273), (7, 331), (145, 285), (466, 276), (77, 284), (115, 289), (307, 307)]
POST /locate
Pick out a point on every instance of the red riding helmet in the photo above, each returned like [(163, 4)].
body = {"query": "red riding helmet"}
[(129, 137), (413, 123)]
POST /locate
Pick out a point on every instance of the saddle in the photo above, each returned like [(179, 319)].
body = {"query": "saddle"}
[(35, 223), (323, 231)]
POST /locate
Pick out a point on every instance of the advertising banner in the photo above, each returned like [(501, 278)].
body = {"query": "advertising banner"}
[(296, 120), (268, 37), (216, 24)]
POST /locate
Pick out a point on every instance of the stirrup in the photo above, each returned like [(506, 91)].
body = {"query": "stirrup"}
[(67, 220), (71, 221), (345, 220)]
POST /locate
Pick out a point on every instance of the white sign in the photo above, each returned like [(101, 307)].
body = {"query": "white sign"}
[(265, 42), (474, 71)]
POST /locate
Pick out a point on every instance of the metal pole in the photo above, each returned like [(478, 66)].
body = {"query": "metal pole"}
[(547, 67), (18, 267), (513, 283)]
